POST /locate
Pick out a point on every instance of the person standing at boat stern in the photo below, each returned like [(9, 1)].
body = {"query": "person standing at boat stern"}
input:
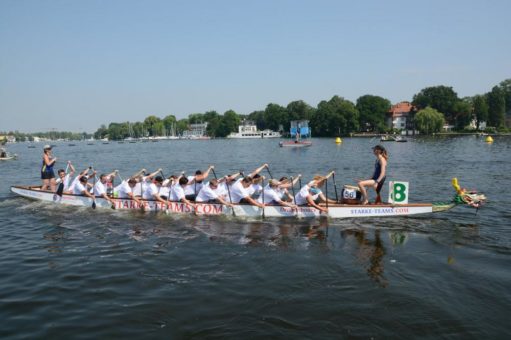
[(47, 173), (379, 175)]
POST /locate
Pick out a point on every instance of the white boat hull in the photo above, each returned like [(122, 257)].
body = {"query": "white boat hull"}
[(334, 211)]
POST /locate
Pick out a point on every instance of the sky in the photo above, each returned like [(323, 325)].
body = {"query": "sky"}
[(74, 65)]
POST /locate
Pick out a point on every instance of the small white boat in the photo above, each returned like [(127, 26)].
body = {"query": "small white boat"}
[(8, 158), (240, 210)]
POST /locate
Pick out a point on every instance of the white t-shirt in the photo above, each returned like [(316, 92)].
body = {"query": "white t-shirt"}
[(191, 188), (78, 188), (238, 192), (141, 186), (67, 181), (123, 189), (206, 194), (73, 183), (99, 189), (270, 196), (301, 196), (255, 190), (177, 193), (150, 191)]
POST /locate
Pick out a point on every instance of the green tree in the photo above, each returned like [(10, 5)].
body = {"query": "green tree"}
[(506, 88), (169, 123), (462, 113), (372, 111), (441, 98), (480, 107), (196, 118), (139, 130), (496, 107), (182, 125), (213, 119), (275, 115), (297, 110), (334, 117), (229, 123), (258, 118), (100, 133), (429, 120), (152, 126)]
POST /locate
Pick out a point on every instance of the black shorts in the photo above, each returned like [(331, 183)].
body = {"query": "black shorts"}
[(191, 197), (47, 174)]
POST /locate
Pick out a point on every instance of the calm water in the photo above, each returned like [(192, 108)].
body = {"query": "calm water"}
[(79, 273)]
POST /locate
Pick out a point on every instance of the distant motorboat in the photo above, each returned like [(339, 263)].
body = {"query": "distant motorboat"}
[(391, 138)]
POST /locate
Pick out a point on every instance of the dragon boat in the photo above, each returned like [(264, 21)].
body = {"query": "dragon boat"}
[(335, 210)]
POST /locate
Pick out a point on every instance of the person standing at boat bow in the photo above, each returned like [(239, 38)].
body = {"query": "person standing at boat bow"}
[(47, 173), (379, 175)]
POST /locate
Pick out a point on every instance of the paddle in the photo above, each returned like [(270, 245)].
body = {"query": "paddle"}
[(94, 196), (326, 193), (335, 187), (264, 216), (228, 191), (269, 172)]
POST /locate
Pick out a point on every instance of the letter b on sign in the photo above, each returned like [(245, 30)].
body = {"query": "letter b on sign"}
[(398, 192)]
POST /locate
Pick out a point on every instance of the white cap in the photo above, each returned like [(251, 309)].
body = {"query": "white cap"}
[(47, 146)]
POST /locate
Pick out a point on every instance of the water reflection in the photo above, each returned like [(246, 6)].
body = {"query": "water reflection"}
[(369, 252)]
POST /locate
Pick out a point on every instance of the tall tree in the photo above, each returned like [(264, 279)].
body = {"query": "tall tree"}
[(169, 123), (506, 88), (258, 118), (429, 120), (496, 107), (462, 113), (372, 111), (152, 126), (441, 98), (297, 110), (275, 115), (480, 109), (229, 123), (334, 117)]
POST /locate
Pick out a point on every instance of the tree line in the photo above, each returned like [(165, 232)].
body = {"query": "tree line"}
[(432, 108), (51, 135)]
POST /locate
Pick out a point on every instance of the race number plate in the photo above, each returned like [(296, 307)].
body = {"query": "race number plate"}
[(398, 192)]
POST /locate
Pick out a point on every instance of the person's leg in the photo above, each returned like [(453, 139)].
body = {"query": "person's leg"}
[(46, 184), (53, 185), (362, 185)]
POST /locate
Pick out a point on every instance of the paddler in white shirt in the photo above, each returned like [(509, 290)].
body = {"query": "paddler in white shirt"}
[(209, 194), (65, 178), (311, 195), (81, 188), (222, 189), (100, 186), (240, 193), (144, 181), (125, 190), (284, 185), (195, 183), (77, 179), (177, 192), (152, 191), (271, 195)]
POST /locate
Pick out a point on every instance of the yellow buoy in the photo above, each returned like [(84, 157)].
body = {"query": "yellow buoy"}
[(489, 139), (338, 140)]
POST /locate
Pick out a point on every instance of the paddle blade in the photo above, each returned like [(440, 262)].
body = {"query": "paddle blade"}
[(93, 204), (60, 189)]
